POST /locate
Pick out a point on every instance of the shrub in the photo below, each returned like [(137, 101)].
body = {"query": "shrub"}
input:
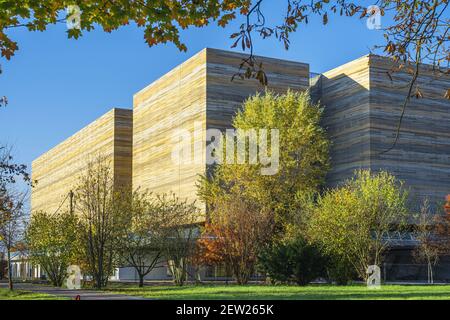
[(340, 271), (294, 261)]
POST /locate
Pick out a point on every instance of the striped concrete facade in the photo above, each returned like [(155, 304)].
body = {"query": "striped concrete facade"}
[(57, 171), (199, 93), (363, 102)]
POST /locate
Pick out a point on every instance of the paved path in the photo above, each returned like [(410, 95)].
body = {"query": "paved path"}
[(84, 294)]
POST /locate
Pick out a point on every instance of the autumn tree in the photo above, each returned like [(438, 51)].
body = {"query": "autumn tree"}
[(236, 232), (101, 220), (432, 230), (255, 208), (140, 245), (351, 222), (161, 21)]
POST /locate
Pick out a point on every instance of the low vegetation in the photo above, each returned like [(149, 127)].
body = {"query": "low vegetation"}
[(261, 292), (6, 294)]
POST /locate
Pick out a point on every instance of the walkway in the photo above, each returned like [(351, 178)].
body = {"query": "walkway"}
[(72, 294)]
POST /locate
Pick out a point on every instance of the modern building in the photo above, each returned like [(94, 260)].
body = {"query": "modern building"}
[(197, 94), (363, 102), (58, 170)]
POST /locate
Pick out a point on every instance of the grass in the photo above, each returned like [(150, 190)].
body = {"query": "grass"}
[(262, 292), (5, 294)]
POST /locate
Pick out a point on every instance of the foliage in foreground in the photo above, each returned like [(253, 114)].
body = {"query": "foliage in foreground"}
[(119, 224)]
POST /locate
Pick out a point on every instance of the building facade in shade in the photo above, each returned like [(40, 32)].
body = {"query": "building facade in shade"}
[(58, 170), (197, 94), (363, 101)]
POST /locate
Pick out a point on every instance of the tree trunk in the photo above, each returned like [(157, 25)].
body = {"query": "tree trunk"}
[(141, 281), (10, 281), (100, 273), (198, 277), (179, 271), (98, 281), (431, 274)]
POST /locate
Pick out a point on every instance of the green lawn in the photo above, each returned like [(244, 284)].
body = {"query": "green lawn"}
[(313, 292), (5, 294)]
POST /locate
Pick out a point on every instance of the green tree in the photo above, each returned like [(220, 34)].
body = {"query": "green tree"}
[(303, 157), (53, 244), (351, 222)]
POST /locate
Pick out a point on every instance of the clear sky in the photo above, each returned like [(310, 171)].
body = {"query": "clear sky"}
[(56, 86)]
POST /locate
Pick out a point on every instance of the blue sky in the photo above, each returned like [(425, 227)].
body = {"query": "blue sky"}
[(56, 86)]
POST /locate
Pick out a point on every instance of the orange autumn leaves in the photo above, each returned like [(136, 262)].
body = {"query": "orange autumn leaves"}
[(161, 20)]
